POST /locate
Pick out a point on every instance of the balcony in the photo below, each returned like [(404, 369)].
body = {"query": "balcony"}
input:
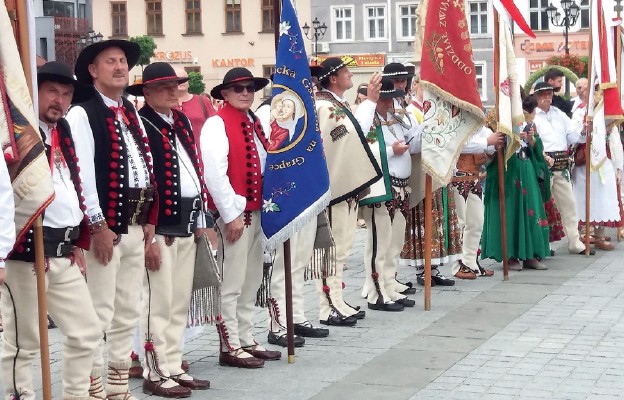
[(68, 25)]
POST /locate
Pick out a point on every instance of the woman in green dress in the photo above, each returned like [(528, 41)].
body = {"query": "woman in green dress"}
[(527, 224)]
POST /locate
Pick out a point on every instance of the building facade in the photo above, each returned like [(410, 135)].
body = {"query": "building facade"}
[(380, 32), (59, 26), (206, 36)]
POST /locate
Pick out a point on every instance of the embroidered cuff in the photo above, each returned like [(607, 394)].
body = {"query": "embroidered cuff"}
[(95, 218)]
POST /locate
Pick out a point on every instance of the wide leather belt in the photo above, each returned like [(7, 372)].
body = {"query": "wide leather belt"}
[(561, 159), (461, 176), (140, 201), (59, 242), (398, 182), (189, 211)]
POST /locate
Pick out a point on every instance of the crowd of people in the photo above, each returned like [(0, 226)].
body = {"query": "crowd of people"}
[(135, 188)]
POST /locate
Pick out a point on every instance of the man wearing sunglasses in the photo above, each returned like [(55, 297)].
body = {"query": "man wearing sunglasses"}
[(233, 148)]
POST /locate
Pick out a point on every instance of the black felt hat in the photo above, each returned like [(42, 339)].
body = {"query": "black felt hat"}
[(55, 71), (154, 73), (86, 56), (238, 74), (331, 66), (316, 70), (396, 70), (388, 91), (542, 86)]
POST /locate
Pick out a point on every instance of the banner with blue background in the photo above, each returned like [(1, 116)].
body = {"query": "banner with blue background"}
[(296, 182)]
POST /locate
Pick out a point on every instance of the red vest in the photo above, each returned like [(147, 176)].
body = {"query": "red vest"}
[(243, 159)]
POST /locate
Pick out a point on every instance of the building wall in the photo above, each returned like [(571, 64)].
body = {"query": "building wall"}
[(214, 51)]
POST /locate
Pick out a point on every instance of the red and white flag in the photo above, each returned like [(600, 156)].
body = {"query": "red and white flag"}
[(452, 103)]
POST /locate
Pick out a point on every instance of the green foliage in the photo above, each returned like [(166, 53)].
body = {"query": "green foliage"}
[(542, 71), (196, 83), (585, 73), (574, 63), (147, 45)]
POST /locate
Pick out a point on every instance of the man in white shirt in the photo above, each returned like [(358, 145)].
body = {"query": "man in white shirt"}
[(170, 259), (65, 235), (558, 132), (122, 203), (233, 148)]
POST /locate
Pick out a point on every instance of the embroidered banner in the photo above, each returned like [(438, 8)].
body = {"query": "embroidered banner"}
[(296, 181), (19, 135), (452, 103)]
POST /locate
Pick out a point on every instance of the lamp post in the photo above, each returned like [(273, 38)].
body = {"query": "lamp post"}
[(87, 39), (319, 31), (570, 14)]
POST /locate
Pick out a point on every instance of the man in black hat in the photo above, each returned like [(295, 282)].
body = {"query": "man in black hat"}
[(65, 235), (122, 206), (392, 138), (170, 259), (352, 169), (233, 148), (557, 132)]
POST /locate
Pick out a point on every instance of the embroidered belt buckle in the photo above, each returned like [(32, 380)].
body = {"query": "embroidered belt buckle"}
[(398, 182), (139, 206), (63, 249)]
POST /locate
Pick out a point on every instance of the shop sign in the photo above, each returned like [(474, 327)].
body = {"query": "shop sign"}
[(233, 62), (174, 56), (359, 60)]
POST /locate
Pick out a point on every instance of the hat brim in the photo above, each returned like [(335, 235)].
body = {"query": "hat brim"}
[(397, 76), (392, 95), (259, 83), (137, 89), (543, 89), (324, 76), (86, 57), (316, 70)]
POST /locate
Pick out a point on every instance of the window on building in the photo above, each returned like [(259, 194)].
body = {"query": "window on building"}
[(43, 46), (267, 70), (233, 16), (343, 23), (154, 17), (119, 18), (407, 21), (58, 9), (584, 14), (375, 17), (82, 11), (193, 16), (538, 19), (478, 13), (480, 73), (267, 16)]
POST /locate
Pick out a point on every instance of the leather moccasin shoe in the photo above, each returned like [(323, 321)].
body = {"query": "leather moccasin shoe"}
[(409, 290), (193, 383), (420, 279), (604, 245), (336, 320), (135, 371), (308, 330), (465, 272), (440, 279), (361, 314), (263, 354), (156, 389), (390, 306), (281, 339), (592, 252), (230, 360), (406, 302)]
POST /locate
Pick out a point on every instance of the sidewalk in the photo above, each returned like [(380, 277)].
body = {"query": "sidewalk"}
[(543, 334)]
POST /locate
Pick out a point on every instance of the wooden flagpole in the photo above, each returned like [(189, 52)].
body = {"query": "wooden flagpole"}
[(500, 152), (428, 234), (588, 133), (24, 50), (290, 329), (618, 73)]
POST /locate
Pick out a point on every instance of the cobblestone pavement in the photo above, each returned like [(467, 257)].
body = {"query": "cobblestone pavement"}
[(543, 334)]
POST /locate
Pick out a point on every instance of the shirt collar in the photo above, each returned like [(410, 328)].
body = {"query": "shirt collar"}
[(167, 118), (110, 102), (46, 129), (340, 99)]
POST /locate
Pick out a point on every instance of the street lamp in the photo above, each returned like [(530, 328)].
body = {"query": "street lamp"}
[(319, 32), (88, 38), (570, 14)]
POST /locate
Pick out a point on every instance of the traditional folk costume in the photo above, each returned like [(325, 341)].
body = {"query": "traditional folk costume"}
[(527, 226), (167, 291), (65, 231), (385, 208), (7, 219), (119, 187), (604, 202), (352, 169), (557, 132), (468, 195), (234, 153)]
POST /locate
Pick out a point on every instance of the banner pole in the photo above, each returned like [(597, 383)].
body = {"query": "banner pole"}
[(290, 329), (500, 153), (588, 122), (428, 234), (24, 50)]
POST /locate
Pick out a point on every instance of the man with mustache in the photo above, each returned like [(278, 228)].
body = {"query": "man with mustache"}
[(554, 78), (65, 235), (122, 204)]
